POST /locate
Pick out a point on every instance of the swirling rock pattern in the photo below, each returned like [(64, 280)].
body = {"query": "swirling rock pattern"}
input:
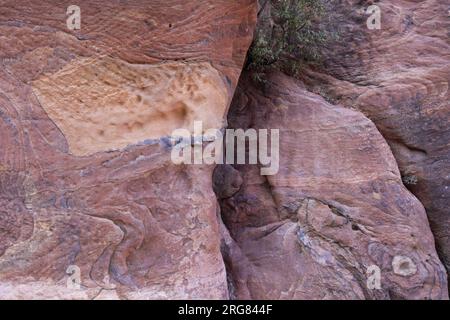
[(399, 77), (336, 209), (103, 198)]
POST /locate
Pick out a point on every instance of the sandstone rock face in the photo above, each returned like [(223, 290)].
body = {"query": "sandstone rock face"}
[(92, 207), (101, 104), (399, 77), (87, 186), (336, 211)]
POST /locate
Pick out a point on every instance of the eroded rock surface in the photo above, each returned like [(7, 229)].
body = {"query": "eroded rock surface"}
[(88, 190), (399, 77), (87, 186), (336, 209), (103, 104)]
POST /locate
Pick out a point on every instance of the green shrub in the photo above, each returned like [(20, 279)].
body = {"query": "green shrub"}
[(288, 35)]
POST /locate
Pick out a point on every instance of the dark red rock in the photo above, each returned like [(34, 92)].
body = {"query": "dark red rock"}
[(399, 77), (336, 209)]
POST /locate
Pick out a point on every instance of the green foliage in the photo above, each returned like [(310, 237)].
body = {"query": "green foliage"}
[(288, 35)]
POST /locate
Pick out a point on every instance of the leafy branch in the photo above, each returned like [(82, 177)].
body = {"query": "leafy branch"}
[(287, 36)]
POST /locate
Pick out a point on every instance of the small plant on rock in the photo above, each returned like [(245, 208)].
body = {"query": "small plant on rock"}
[(288, 35)]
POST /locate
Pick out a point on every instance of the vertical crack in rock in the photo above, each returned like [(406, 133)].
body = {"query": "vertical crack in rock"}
[(88, 192)]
